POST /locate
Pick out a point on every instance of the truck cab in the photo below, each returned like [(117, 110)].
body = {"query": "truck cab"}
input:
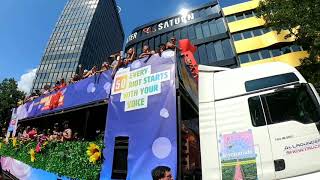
[(258, 122)]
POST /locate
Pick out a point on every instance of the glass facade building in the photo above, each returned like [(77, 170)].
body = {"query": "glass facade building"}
[(81, 36), (205, 26)]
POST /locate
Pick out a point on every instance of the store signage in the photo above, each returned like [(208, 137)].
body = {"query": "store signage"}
[(175, 21), (163, 25), (132, 37)]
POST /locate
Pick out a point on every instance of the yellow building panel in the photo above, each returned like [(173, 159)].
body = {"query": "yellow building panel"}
[(244, 24), (292, 59), (240, 7), (262, 41)]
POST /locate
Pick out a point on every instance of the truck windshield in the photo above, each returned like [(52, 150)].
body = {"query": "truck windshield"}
[(297, 104), (271, 81)]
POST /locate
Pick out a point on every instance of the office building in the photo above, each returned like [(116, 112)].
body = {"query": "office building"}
[(205, 26), (256, 44), (230, 37), (87, 32)]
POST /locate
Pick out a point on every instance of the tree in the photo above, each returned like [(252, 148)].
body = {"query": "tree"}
[(302, 19), (9, 95)]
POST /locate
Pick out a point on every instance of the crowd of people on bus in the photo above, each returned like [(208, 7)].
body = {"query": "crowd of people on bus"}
[(114, 62), (57, 133)]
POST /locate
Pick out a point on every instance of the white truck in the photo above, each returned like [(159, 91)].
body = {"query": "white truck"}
[(259, 122)]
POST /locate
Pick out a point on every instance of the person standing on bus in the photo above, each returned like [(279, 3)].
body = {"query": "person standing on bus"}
[(130, 56), (146, 52)]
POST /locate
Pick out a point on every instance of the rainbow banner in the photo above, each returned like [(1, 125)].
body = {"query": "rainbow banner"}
[(90, 90)]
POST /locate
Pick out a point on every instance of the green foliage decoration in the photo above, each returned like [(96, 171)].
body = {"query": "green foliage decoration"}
[(63, 158)]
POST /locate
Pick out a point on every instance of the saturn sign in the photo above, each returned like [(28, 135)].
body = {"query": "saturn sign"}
[(164, 25)]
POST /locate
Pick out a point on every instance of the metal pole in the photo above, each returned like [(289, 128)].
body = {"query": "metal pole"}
[(180, 174), (86, 123)]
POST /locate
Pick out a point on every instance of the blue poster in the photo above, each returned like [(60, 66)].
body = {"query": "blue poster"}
[(89, 90), (142, 107)]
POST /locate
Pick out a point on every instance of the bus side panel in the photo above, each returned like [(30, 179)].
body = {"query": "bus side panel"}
[(207, 124)]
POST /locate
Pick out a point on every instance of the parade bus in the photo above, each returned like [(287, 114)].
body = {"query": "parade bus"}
[(123, 126), (259, 122)]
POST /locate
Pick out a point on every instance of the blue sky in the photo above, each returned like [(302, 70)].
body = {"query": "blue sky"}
[(26, 25)]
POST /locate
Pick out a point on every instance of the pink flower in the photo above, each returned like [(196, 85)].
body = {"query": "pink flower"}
[(38, 147)]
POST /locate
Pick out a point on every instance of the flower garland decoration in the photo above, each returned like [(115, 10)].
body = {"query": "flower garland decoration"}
[(32, 155), (94, 153), (42, 142), (14, 142)]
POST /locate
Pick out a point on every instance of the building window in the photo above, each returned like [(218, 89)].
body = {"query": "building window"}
[(257, 32), (266, 30), (191, 32), (227, 49), (139, 48), (199, 33), (276, 52), (268, 53), (215, 9), (296, 48), (231, 18), (203, 54), (184, 33), (151, 43), (265, 54), (211, 52), (157, 41), (247, 34), (237, 36), (221, 25), (250, 33), (244, 58), (255, 56), (240, 16), (177, 34), (206, 30), (164, 38), (213, 27), (248, 14), (170, 35), (196, 14), (202, 12), (219, 50), (286, 50)]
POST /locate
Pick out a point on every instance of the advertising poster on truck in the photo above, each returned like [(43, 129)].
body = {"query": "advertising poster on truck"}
[(238, 157), (142, 113)]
